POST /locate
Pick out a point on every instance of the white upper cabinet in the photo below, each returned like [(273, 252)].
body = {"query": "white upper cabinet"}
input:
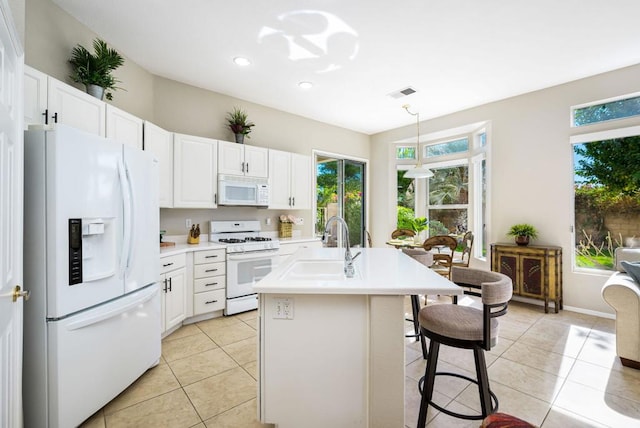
[(35, 96), (48, 100), (124, 127), (301, 182), (160, 143), (239, 159), (195, 172), (289, 180)]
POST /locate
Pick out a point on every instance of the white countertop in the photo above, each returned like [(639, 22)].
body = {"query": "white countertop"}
[(380, 271)]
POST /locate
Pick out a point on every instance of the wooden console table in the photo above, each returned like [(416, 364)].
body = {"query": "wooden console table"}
[(536, 271)]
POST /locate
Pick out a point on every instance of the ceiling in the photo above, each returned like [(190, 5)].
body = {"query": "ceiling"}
[(456, 54)]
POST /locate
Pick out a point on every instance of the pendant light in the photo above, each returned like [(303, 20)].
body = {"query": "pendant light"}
[(418, 171)]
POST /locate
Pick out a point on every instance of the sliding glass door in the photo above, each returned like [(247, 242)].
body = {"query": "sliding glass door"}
[(340, 190)]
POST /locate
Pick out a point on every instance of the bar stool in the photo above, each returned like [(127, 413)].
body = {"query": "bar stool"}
[(426, 259), (468, 328)]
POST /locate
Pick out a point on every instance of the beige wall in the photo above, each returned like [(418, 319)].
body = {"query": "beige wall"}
[(531, 167), (530, 159), (51, 34)]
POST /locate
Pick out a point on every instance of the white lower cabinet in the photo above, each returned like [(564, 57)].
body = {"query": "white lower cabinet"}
[(173, 288), (209, 281)]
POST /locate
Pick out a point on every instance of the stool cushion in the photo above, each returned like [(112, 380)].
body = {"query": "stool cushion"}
[(455, 321), (502, 420)]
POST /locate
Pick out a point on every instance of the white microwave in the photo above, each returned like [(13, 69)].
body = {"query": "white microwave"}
[(243, 191)]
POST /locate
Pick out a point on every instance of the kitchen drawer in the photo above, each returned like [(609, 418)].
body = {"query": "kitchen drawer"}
[(209, 269), (209, 256), (208, 284), (208, 301), (169, 263)]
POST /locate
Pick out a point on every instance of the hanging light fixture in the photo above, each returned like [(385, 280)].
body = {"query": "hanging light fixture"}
[(418, 171)]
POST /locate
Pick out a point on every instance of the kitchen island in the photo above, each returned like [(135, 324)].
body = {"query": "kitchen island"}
[(331, 348)]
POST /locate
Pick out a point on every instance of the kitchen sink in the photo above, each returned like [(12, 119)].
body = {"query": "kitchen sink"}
[(317, 270)]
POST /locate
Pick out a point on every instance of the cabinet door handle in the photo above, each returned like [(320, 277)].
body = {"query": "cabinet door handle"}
[(55, 117), (242, 166), (210, 257), (165, 286), (294, 201), (247, 167), (169, 284), (46, 116), (210, 301), (210, 284), (167, 264), (215, 198), (211, 270), (289, 200)]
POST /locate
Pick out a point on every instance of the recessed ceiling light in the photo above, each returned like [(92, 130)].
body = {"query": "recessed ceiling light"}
[(242, 62), (305, 85)]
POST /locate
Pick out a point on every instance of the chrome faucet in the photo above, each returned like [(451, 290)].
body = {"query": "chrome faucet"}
[(349, 270)]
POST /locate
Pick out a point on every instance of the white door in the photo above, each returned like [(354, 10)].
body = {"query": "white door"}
[(143, 223), (231, 158), (256, 161), (124, 127), (35, 96), (301, 186), (279, 179), (75, 108), (194, 175), (11, 173), (84, 180), (160, 143)]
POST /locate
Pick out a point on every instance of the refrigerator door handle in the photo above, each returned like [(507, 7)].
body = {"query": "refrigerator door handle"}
[(101, 316), (127, 218)]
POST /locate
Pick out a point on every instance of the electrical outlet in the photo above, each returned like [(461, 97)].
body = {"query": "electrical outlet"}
[(188, 223), (283, 308)]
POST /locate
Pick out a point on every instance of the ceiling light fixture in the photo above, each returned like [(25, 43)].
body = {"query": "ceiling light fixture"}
[(305, 85), (418, 171), (241, 61)]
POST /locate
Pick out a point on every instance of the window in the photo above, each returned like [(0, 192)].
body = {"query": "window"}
[(606, 195), (454, 199), (448, 199), (604, 111), (448, 148), (405, 152)]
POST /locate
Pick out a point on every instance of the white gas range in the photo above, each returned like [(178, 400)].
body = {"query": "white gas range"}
[(250, 257)]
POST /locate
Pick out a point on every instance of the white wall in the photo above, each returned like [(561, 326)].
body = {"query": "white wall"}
[(531, 167)]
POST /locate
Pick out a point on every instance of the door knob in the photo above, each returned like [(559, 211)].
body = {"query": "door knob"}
[(17, 293)]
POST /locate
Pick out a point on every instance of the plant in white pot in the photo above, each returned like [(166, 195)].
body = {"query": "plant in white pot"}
[(419, 225), (94, 70)]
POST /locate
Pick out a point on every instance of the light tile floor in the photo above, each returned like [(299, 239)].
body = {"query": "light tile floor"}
[(553, 370)]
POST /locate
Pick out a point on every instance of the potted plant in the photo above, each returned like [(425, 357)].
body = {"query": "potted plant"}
[(239, 124), (522, 233), (94, 70), (418, 225)]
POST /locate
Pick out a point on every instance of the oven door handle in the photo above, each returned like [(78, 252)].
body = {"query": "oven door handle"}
[(255, 255)]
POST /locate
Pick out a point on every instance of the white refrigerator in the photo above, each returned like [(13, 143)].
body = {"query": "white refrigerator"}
[(91, 262)]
